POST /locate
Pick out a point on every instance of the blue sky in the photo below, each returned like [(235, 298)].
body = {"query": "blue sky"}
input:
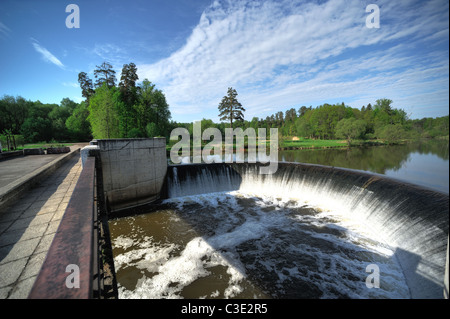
[(276, 54)]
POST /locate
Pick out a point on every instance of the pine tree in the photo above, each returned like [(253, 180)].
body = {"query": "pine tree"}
[(128, 92), (230, 108), (105, 74), (86, 86), (127, 83)]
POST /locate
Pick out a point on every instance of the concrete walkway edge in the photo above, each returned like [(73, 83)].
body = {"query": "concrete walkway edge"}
[(16, 189)]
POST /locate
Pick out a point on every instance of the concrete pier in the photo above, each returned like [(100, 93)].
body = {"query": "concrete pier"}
[(133, 170)]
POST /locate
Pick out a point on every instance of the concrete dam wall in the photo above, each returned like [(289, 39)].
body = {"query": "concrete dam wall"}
[(133, 170), (411, 218)]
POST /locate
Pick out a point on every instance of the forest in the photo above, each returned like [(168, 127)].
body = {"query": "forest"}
[(338, 121), (133, 109)]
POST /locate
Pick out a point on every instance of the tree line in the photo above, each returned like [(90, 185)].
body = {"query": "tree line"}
[(130, 109), (126, 110), (339, 121), (332, 121)]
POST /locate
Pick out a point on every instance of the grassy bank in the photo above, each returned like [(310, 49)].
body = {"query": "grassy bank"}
[(38, 145), (302, 143)]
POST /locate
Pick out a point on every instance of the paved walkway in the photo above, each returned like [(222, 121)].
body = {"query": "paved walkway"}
[(28, 226), (13, 168)]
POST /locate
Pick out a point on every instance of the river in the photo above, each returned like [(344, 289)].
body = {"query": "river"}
[(241, 245), (424, 163)]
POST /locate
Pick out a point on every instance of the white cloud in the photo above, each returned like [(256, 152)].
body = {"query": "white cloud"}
[(285, 53), (47, 55)]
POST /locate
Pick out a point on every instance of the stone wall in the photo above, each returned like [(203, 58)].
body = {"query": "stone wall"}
[(133, 170)]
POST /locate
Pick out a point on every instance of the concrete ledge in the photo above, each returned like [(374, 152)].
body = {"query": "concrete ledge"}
[(58, 150), (16, 189), (33, 151), (5, 155)]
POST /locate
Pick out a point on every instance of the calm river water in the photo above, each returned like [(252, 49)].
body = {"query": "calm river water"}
[(424, 163)]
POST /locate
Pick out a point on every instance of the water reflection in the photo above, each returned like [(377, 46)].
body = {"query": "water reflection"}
[(424, 163)]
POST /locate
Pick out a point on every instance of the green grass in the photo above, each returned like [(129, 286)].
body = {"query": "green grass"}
[(303, 143), (46, 145), (39, 145), (309, 143)]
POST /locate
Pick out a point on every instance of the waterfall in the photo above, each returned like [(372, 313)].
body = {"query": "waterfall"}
[(411, 218)]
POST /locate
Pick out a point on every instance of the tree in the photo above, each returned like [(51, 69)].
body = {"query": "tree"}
[(230, 108), (103, 113), (127, 83), (350, 128), (384, 105), (77, 124), (128, 90), (391, 133), (302, 111), (144, 105), (38, 126), (86, 86), (152, 108), (105, 74), (58, 117), (13, 113), (303, 125), (37, 129)]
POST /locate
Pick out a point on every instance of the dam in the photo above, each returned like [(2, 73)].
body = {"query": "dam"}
[(307, 231), (222, 230)]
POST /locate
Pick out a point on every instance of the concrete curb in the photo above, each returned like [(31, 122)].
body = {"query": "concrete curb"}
[(8, 155), (16, 189)]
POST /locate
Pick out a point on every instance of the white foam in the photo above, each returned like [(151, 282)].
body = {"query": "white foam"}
[(174, 272)]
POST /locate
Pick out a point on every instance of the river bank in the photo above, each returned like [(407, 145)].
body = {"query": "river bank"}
[(306, 143)]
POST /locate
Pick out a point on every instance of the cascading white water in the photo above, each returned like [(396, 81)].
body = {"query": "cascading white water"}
[(411, 219)]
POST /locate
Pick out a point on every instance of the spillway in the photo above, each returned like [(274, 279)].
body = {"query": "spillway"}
[(411, 219)]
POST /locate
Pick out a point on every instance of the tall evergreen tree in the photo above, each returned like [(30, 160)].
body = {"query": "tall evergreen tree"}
[(230, 108), (127, 83), (105, 74), (87, 89), (128, 90)]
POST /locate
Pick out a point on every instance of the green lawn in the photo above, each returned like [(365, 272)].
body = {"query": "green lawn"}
[(46, 145), (309, 143), (304, 143), (38, 145)]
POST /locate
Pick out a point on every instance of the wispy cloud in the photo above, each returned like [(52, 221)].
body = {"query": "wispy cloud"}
[(284, 53), (4, 30), (71, 84), (46, 55)]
